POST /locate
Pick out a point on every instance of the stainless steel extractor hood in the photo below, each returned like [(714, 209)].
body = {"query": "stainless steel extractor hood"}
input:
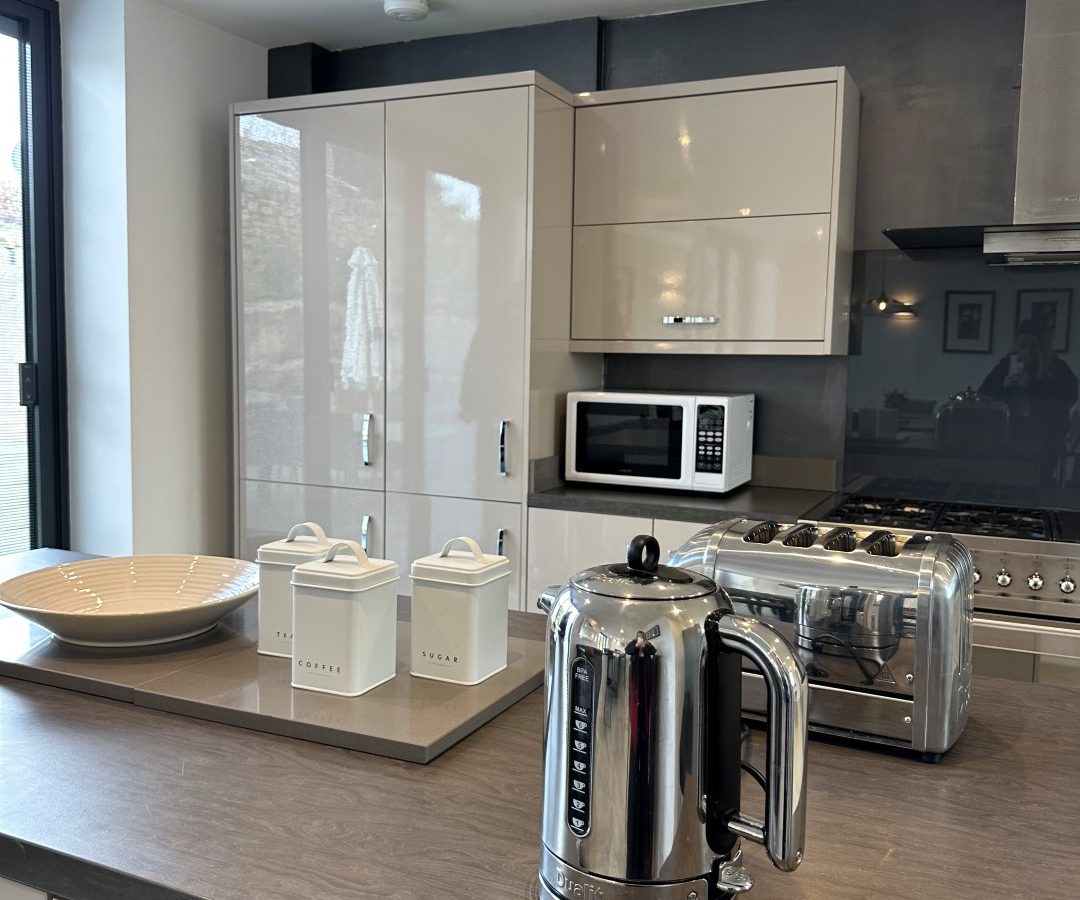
[(1046, 208)]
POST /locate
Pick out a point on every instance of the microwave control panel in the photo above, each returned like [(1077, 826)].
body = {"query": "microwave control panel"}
[(710, 439)]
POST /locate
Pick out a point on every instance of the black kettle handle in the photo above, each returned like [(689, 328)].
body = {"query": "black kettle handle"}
[(643, 553)]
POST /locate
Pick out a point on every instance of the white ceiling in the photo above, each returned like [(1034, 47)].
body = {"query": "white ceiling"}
[(339, 24)]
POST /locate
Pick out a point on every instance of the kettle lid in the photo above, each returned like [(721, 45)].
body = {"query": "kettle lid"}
[(642, 578)]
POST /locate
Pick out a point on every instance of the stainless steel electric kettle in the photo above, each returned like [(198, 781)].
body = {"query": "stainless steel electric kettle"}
[(642, 763)]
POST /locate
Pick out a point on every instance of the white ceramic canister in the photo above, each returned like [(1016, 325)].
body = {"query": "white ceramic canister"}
[(459, 614), (276, 562), (344, 622)]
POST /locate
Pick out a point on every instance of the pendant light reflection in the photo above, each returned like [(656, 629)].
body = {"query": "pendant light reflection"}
[(884, 305)]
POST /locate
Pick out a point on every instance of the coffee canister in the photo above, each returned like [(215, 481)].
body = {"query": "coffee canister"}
[(459, 613), (306, 542), (344, 621)]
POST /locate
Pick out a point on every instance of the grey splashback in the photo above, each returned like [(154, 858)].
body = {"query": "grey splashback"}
[(1031, 459), (800, 400)]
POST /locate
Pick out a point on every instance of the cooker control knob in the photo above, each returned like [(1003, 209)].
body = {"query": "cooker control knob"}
[(1003, 577), (1035, 581), (977, 576), (1067, 584)]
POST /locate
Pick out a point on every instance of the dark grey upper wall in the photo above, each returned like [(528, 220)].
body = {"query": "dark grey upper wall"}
[(566, 52)]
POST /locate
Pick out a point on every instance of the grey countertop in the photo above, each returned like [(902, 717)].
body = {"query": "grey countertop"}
[(220, 676), (102, 799), (749, 500)]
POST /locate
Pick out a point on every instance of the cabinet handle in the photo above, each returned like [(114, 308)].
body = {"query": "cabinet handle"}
[(500, 542), (365, 529), (365, 439), (689, 320), (504, 469)]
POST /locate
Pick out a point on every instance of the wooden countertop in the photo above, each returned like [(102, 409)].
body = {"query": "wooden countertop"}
[(101, 799)]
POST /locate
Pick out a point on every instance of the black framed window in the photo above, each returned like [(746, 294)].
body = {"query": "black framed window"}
[(33, 465)]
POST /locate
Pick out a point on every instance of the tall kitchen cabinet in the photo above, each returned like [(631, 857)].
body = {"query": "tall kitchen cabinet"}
[(309, 253), (403, 272)]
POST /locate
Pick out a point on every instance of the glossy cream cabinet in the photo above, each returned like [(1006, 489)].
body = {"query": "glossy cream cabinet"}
[(310, 281), (563, 542), (402, 271), (269, 509), (716, 216), (765, 152), (418, 525), (757, 279), (456, 247)]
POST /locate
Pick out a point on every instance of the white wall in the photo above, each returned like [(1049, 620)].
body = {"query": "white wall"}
[(150, 415), (96, 262), (182, 76)]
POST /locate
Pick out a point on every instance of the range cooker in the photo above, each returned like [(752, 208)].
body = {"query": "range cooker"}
[(1027, 565)]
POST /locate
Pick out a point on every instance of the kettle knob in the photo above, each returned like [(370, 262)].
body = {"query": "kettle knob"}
[(643, 553)]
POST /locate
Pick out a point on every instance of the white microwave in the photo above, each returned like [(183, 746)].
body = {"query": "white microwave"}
[(677, 441)]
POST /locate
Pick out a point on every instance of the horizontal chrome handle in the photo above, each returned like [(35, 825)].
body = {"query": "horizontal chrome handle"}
[(690, 320)]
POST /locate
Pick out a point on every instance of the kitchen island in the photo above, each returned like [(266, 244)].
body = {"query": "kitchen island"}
[(102, 799)]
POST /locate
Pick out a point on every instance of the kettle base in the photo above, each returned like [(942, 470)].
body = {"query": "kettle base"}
[(559, 881)]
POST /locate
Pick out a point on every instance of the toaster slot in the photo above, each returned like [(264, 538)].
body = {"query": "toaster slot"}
[(762, 533), (800, 536), (840, 540), (881, 543)]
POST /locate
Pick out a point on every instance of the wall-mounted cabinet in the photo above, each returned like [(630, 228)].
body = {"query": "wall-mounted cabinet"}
[(716, 216)]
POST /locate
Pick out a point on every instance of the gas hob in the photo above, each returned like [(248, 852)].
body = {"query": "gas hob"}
[(1027, 559), (956, 518)]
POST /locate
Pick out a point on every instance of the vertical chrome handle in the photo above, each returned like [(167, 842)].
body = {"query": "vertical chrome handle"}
[(365, 439), (500, 542), (784, 831), (504, 468), (365, 530)]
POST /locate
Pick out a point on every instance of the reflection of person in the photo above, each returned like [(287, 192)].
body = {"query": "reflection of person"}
[(1040, 389)]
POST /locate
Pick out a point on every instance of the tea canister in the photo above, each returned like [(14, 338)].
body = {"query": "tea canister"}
[(344, 622), (276, 561), (459, 614)]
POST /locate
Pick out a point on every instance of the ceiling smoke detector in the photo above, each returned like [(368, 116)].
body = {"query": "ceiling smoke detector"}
[(406, 10)]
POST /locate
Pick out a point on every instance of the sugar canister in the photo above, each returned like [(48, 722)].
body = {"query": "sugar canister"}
[(459, 614), (276, 562), (344, 621)]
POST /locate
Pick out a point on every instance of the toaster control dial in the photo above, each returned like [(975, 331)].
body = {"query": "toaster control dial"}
[(1003, 577), (1035, 581), (1067, 585)]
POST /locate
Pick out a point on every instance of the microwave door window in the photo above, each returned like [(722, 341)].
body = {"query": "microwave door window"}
[(632, 439)]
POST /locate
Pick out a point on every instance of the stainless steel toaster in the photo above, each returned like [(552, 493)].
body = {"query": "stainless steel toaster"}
[(881, 620)]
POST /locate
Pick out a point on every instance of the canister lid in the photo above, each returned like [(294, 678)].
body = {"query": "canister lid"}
[(469, 567), (641, 578), (297, 547), (356, 572)]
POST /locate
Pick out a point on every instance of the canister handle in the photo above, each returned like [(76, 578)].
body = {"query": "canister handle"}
[(352, 546), (477, 553), (317, 532)]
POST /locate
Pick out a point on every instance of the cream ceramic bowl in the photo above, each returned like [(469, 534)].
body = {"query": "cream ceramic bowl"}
[(131, 601)]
